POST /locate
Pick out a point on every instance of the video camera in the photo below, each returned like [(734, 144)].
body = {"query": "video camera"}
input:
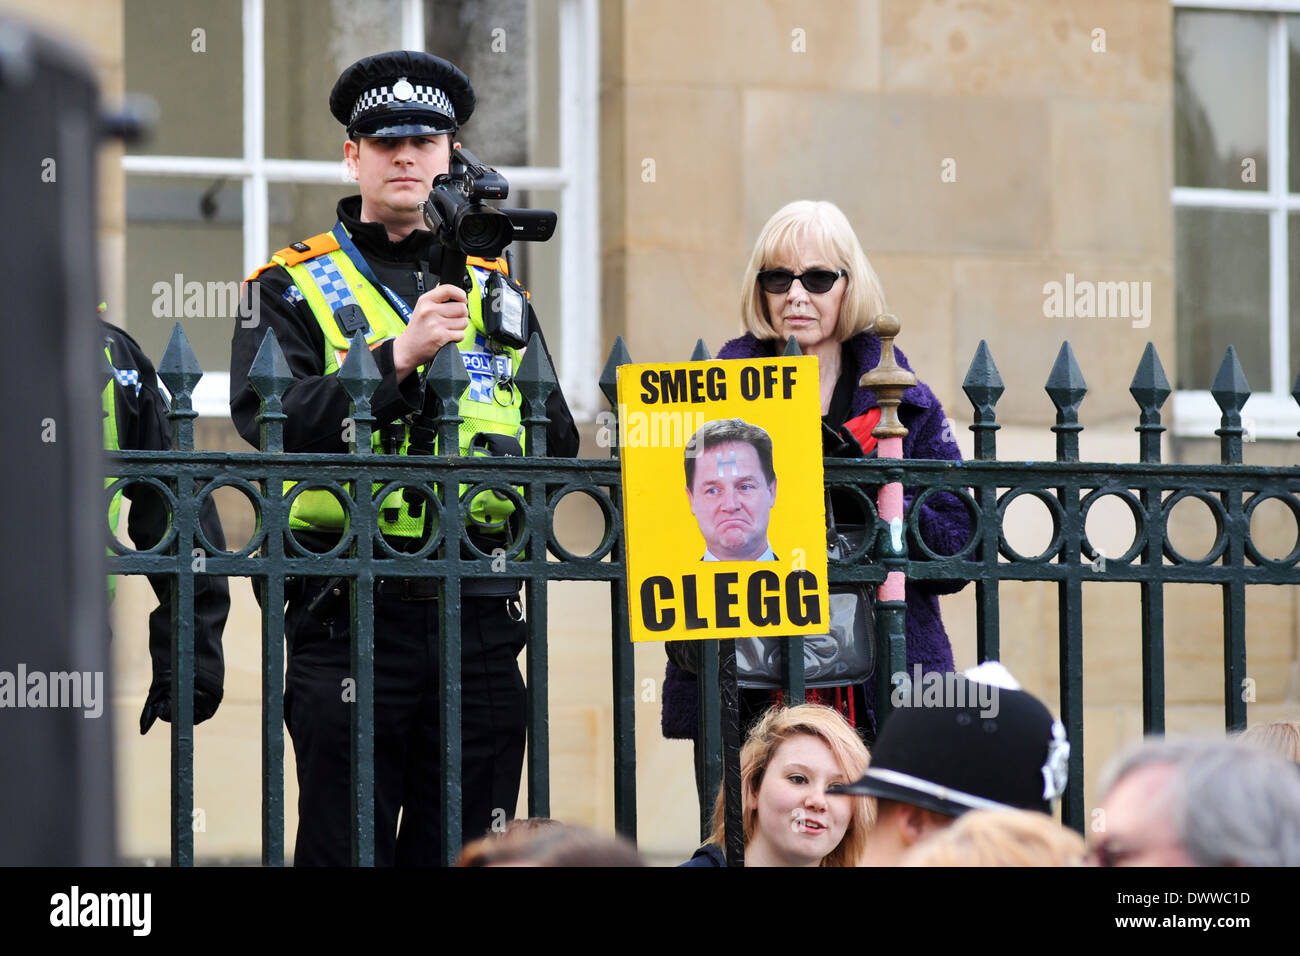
[(457, 213)]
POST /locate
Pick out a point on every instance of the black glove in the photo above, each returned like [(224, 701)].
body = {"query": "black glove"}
[(159, 705), (840, 443)]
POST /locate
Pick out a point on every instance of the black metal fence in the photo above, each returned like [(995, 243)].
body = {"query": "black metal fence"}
[(987, 487)]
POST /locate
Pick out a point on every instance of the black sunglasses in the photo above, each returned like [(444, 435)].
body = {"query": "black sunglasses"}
[(815, 281)]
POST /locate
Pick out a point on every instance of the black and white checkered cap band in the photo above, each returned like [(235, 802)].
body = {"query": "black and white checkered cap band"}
[(382, 96)]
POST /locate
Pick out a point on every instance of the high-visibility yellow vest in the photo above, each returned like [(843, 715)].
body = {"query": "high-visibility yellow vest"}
[(327, 279)]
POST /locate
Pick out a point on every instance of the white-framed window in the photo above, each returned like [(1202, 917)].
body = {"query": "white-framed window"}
[(1236, 200), (246, 159)]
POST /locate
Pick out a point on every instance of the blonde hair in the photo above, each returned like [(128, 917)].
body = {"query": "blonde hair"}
[(1000, 838), (830, 233), (775, 728), (1282, 737)]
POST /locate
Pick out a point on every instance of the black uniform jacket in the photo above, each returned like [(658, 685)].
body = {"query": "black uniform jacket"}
[(142, 426)]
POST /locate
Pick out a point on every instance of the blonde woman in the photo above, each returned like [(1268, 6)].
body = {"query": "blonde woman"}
[(792, 755), (809, 280)]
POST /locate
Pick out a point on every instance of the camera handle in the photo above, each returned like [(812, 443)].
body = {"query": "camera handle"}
[(424, 423)]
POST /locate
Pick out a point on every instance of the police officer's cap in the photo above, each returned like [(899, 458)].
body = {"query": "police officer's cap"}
[(991, 748), (402, 93)]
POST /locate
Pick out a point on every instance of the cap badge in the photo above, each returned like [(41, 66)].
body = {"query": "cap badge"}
[(1056, 771), (402, 90)]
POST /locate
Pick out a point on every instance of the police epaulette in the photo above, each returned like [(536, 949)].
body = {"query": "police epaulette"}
[(298, 252), (307, 249)]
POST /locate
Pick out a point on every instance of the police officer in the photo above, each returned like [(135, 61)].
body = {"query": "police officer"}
[(379, 270), (135, 417)]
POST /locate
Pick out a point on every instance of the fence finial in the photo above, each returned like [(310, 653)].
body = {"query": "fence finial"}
[(1150, 388), (360, 377), (1230, 391), (180, 372), (535, 380), (1066, 388), (888, 380), (448, 379), (983, 386), (269, 376), (618, 355)]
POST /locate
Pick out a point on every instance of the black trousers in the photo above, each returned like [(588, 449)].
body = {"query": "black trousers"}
[(407, 716)]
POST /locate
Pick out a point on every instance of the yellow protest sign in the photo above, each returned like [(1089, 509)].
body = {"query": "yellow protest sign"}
[(723, 505)]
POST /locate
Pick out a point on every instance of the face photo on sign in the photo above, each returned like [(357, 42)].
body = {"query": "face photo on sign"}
[(731, 488)]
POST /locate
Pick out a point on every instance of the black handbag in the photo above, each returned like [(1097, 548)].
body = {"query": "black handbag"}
[(845, 655)]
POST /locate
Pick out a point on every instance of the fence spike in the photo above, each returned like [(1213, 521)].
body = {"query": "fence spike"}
[(447, 375), (536, 381), (618, 355), (179, 368), (983, 386), (1065, 385), (792, 347), (1066, 388), (1230, 391), (180, 372), (359, 375), (535, 370), (701, 353), (1150, 389), (1230, 388), (269, 374)]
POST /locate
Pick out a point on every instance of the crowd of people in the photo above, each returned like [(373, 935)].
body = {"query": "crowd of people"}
[(943, 791)]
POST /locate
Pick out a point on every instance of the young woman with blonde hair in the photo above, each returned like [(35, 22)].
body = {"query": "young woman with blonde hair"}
[(791, 756)]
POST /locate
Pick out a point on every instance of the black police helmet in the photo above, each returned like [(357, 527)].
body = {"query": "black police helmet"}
[(402, 93), (982, 748)]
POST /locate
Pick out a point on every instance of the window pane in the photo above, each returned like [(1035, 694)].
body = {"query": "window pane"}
[(187, 55), (184, 240), (1220, 100), (1222, 276), (308, 44), (493, 41), (1293, 137), (1293, 243)]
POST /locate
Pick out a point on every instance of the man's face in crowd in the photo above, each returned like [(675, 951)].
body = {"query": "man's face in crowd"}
[(1136, 825), (395, 175), (732, 501)]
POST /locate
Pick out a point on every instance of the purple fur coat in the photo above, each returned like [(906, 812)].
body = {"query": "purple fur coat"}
[(944, 523)]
